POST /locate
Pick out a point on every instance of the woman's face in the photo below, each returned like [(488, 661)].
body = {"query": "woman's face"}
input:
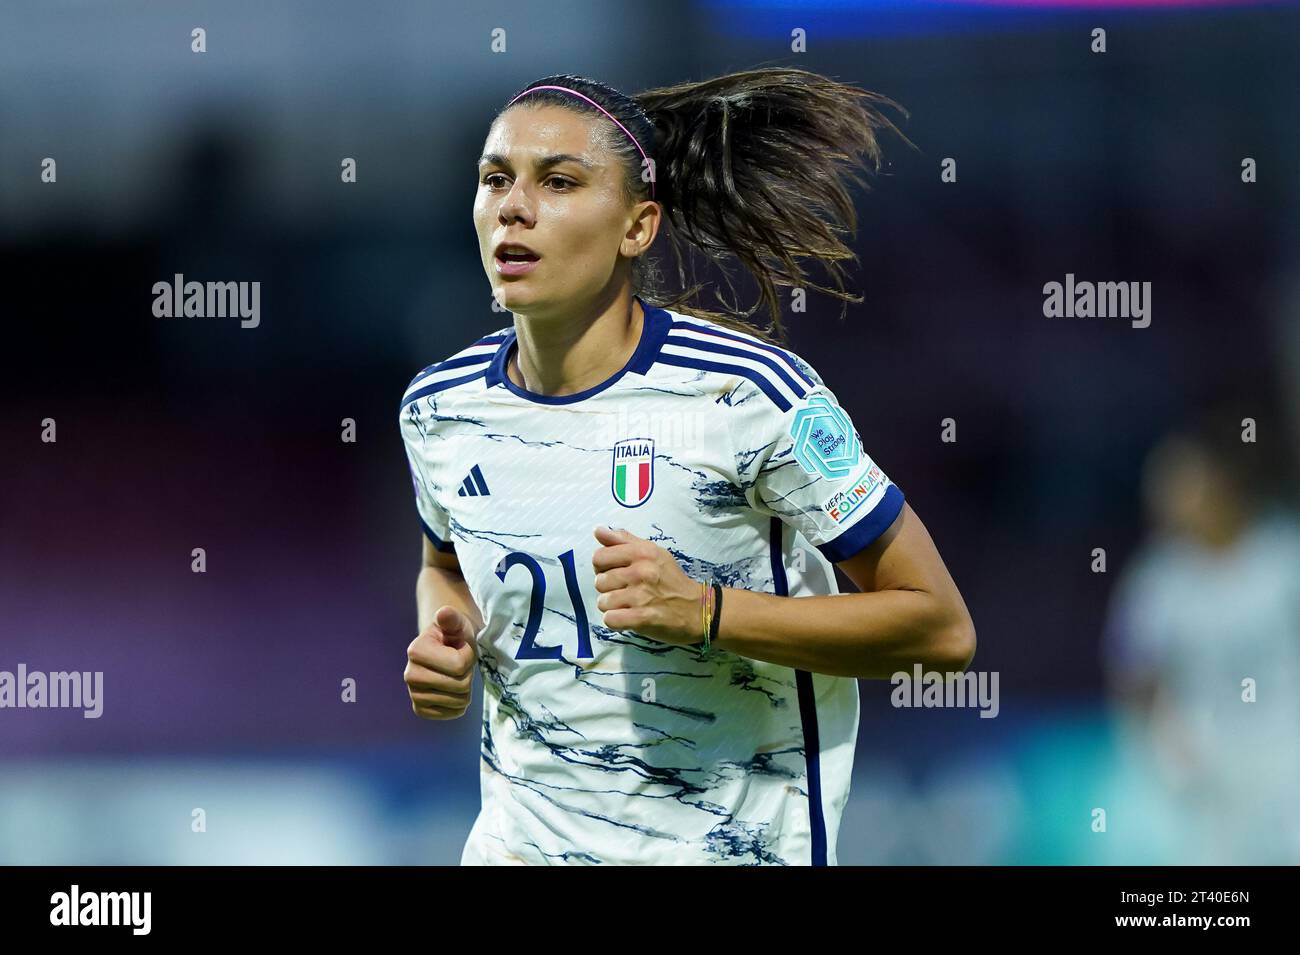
[(545, 184), (1186, 490)]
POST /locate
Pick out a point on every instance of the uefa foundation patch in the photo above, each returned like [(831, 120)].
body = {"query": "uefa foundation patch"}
[(844, 503)]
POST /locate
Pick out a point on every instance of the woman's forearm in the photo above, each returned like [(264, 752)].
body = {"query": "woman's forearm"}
[(437, 587), (870, 635)]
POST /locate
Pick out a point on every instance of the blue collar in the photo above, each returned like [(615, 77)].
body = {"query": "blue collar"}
[(654, 331)]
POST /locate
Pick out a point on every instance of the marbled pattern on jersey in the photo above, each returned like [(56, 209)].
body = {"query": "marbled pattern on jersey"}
[(642, 751)]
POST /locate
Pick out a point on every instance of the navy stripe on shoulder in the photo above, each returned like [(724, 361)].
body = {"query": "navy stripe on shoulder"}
[(443, 384), (757, 377), (793, 361), (721, 349), (461, 359)]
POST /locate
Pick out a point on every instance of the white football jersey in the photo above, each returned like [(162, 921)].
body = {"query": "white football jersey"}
[(604, 746)]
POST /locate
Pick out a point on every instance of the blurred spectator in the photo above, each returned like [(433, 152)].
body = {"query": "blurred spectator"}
[(1202, 650)]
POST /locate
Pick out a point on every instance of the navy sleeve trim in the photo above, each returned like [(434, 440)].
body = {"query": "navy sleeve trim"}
[(864, 533), (438, 543)]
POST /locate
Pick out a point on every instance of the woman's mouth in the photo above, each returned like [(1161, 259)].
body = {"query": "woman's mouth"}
[(514, 262)]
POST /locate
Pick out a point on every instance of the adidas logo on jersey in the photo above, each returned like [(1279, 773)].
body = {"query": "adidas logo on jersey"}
[(473, 485)]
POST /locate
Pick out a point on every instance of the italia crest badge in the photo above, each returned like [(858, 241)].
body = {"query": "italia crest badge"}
[(632, 474)]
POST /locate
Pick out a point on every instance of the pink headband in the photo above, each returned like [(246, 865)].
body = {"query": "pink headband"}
[(565, 89)]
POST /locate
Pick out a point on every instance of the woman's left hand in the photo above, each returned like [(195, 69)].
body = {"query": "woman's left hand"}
[(643, 588)]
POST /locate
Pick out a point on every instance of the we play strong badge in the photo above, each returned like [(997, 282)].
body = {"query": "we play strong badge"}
[(824, 440)]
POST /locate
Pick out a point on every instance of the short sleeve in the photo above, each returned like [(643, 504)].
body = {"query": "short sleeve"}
[(433, 519), (805, 464)]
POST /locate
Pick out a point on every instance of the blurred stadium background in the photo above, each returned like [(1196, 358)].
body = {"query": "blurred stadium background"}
[(222, 690)]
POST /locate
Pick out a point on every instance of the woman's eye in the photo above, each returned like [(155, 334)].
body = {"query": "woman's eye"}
[(496, 180)]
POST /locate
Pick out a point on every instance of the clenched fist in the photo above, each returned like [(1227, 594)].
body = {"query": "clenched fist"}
[(440, 666), (643, 588)]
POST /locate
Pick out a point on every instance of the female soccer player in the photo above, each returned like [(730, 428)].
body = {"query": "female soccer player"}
[(631, 507)]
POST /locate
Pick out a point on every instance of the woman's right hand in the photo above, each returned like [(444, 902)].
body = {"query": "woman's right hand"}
[(440, 666)]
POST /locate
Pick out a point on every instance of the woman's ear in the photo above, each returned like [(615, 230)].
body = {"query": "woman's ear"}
[(643, 229)]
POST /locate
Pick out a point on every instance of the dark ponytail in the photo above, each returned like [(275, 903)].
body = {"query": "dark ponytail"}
[(753, 165)]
